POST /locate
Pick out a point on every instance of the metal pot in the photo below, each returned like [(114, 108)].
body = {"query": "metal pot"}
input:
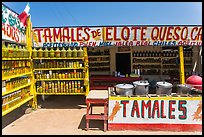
[(124, 89), (183, 89), (141, 87), (163, 88)]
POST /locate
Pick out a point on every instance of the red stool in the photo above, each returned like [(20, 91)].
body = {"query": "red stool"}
[(97, 98)]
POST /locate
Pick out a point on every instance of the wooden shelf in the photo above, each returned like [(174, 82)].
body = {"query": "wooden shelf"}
[(147, 57), (100, 67), (147, 63), (99, 61), (96, 56)]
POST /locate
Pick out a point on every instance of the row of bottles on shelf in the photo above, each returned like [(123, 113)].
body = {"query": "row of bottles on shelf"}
[(170, 72), (14, 98), (59, 75), (14, 83), (99, 64), (172, 66), (16, 71), (170, 53), (58, 53), (147, 60), (105, 68), (99, 59), (99, 52), (146, 54), (169, 61), (146, 66), (14, 51), (60, 87), (15, 64), (59, 64)]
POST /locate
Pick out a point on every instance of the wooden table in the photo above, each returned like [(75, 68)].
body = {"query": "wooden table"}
[(97, 98)]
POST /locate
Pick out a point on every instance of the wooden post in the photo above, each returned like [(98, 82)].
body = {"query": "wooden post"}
[(182, 72)]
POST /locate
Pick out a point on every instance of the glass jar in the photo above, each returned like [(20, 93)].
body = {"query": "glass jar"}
[(80, 52)]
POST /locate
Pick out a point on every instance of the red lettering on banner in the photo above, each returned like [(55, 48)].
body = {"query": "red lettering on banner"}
[(162, 110), (176, 36), (135, 107), (135, 32), (79, 34), (88, 36), (123, 34), (124, 106), (39, 34), (94, 44), (57, 35), (155, 108), (199, 34), (16, 35), (115, 34), (143, 33), (162, 33), (157, 33), (169, 33), (108, 33), (171, 109), (72, 35), (66, 36), (148, 105), (182, 31), (47, 36), (192, 32), (182, 108)]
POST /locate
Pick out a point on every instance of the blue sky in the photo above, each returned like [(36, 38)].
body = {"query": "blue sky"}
[(55, 14)]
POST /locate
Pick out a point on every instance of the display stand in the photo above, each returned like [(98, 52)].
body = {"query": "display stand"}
[(17, 79), (62, 75)]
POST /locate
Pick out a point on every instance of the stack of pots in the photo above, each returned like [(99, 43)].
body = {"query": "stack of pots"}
[(141, 87), (163, 88)]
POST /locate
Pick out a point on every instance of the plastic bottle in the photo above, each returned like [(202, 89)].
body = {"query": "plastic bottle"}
[(74, 52), (63, 53), (69, 52), (57, 53), (80, 52)]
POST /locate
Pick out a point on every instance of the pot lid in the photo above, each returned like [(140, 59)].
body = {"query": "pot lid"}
[(141, 83), (165, 84), (184, 85), (124, 86)]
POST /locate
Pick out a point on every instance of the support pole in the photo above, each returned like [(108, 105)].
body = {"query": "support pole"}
[(182, 73)]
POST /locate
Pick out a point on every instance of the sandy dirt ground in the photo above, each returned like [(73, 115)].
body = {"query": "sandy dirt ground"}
[(63, 115)]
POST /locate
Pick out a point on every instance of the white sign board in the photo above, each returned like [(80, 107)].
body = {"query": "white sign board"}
[(155, 111)]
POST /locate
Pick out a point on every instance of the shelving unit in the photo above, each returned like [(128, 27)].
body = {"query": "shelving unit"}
[(17, 76), (62, 75), (149, 61), (99, 60), (163, 61)]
